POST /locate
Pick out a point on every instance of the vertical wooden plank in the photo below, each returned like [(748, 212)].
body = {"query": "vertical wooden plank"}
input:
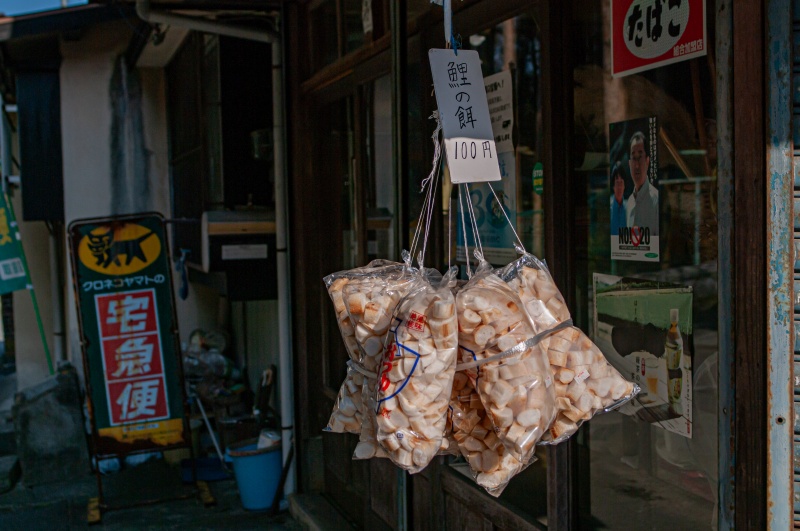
[(383, 493), (298, 224), (749, 265), (559, 225), (422, 507), (780, 230)]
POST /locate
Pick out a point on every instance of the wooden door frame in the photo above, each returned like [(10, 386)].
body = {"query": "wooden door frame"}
[(559, 215), (749, 265)]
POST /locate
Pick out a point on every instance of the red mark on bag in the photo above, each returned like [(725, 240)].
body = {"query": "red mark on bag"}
[(387, 366), (416, 322)]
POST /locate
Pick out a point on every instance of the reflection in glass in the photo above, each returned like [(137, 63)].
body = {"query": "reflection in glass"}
[(353, 26), (379, 193), (638, 471)]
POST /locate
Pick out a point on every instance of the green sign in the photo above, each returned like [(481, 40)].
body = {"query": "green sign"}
[(13, 273), (123, 288), (538, 178)]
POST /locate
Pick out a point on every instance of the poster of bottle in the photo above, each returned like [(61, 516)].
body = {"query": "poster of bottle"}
[(497, 239), (633, 183), (644, 328)]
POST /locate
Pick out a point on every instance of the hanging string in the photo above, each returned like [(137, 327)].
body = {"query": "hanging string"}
[(418, 229), (449, 233), (431, 190), (503, 210), (437, 148), (464, 229), (473, 221), (435, 169)]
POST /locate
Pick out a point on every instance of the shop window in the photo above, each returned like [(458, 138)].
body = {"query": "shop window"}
[(323, 34), (337, 28), (417, 8), (352, 25), (660, 453), (515, 46)]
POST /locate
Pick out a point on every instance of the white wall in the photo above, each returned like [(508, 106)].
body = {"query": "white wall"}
[(30, 354), (86, 115)]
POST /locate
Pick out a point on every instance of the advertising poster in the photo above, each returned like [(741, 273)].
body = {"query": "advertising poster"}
[(13, 276), (496, 237), (647, 34), (633, 185), (125, 302), (644, 328)]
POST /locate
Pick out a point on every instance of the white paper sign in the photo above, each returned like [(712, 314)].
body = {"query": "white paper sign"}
[(501, 109), (464, 111)]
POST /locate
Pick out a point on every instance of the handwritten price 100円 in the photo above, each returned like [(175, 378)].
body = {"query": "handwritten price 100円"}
[(468, 149)]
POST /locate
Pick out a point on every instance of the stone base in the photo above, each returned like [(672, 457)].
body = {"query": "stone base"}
[(48, 420)]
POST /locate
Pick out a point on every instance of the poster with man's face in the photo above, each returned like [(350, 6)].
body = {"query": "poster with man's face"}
[(633, 185)]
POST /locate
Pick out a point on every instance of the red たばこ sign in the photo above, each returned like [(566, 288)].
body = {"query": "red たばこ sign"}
[(646, 34)]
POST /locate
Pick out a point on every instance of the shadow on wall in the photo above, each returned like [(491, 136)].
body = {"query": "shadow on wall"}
[(130, 158)]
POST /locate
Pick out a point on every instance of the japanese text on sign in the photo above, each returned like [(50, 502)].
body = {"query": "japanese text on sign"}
[(501, 110), (132, 356), (650, 33), (464, 111)]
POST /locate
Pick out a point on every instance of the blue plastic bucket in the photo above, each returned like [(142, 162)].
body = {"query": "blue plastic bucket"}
[(257, 473)]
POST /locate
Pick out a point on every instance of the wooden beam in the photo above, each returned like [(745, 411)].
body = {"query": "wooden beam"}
[(557, 91), (749, 265)]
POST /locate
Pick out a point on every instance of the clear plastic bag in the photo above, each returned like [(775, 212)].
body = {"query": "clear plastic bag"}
[(352, 293), (371, 302), (473, 435), (513, 377), (417, 374), (530, 279), (347, 413), (584, 382)]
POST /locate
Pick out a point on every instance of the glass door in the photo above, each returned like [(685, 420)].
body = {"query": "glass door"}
[(645, 260), (352, 158), (509, 41)]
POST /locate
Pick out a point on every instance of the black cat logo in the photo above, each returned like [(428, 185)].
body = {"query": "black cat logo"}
[(106, 250)]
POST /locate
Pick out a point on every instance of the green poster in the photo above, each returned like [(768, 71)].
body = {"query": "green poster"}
[(538, 178), (129, 333), (13, 274), (644, 328)]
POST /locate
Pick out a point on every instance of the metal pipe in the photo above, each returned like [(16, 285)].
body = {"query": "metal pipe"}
[(57, 294), (207, 26), (286, 373)]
